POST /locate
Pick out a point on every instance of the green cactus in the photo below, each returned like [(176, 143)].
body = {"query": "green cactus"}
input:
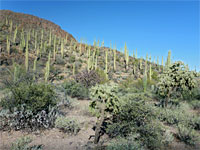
[(62, 49), (6, 21), (27, 53), (45, 47), (11, 25), (35, 40), (96, 61), (80, 48), (114, 51), (145, 82), (15, 34), (50, 38), (8, 45), (168, 62), (126, 53), (47, 69), (140, 63), (35, 65), (54, 48), (106, 64), (150, 72), (136, 53), (174, 80), (74, 65)]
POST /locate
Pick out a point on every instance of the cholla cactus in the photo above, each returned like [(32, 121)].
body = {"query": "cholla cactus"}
[(175, 79), (105, 103)]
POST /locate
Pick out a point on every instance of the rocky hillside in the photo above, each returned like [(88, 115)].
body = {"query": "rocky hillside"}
[(24, 35)]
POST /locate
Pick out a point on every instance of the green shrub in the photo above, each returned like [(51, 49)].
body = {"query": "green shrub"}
[(67, 125), (124, 144), (195, 104), (34, 97), (187, 135), (75, 89), (22, 144)]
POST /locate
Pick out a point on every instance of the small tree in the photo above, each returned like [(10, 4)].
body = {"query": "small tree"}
[(176, 78)]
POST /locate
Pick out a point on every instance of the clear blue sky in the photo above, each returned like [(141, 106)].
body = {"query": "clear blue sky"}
[(152, 27)]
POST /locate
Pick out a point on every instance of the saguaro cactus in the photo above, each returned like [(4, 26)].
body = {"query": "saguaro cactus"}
[(54, 48), (106, 64), (27, 53), (168, 62), (150, 72), (62, 49), (114, 63), (8, 45), (50, 38), (96, 61), (15, 34), (47, 69), (126, 53)]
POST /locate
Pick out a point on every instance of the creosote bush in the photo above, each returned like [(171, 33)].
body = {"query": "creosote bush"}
[(67, 125), (187, 135), (75, 89)]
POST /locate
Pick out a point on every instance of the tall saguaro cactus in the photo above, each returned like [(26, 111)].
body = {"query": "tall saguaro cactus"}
[(62, 49), (126, 56), (47, 69), (15, 34), (168, 62), (8, 45), (54, 48), (27, 53), (114, 51), (150, 72), (106, 64)]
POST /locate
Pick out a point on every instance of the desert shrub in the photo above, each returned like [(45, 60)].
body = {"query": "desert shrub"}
[(23, 144), (34, 97), (28, 105), (72, 59), (195, 104), (134, 116), (187, 134), (90, 78), (75, 89), (195, 122), (67, 125), (128, 143)]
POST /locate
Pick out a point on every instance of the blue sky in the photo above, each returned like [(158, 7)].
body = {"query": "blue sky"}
[(152, 27)]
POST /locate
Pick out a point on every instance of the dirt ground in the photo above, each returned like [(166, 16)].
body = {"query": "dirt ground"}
[(54, 139)]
